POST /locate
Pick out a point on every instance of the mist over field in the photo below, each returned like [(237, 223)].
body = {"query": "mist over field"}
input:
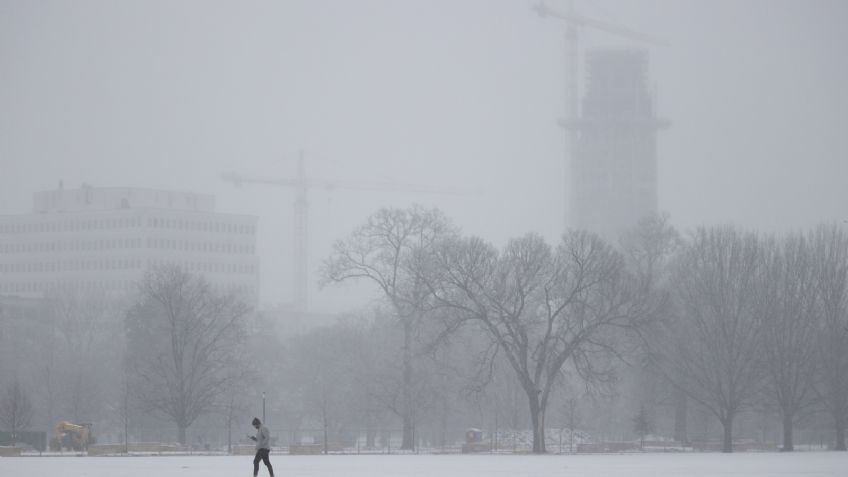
[(479, 226)]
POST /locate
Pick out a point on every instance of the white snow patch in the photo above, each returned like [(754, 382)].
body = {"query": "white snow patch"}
[(819, 464)]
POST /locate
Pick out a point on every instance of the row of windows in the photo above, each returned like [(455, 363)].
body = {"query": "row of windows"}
[(44, 287), (208, 267), (191, 246), (69, 266), (71, 225), (126, 243), (95, 285), (71, 245), (200, 226), (122, 264)]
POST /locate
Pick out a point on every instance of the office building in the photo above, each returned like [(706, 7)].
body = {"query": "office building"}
[(104, 239)]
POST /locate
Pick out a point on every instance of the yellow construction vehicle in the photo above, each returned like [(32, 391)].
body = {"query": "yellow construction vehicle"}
[(68, 436)]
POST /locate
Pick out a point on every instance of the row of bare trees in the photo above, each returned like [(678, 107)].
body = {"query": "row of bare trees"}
[(724, 315), (185, 354), (541, 307), (15, 409), (174, 350), (756, 317), (56, 356), (468, 331)]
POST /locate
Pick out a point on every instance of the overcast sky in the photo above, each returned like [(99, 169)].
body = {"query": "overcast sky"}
[(450, 93)]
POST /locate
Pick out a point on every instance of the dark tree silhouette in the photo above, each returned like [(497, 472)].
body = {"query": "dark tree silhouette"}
[(15, 408), (183, 342)]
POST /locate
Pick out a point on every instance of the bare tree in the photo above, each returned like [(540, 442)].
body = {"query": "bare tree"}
[(84, 340), (542, 309), (710, 349), (642, 426), (371, 371), (323, 376), (15, 408), (231, 403), (573, 420), (785, 309), (183, 341), (830, 248), (650, 248), (383, 251), (25, 334), (125, 409)]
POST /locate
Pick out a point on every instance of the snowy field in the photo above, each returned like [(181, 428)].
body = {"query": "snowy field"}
[(817, 464)]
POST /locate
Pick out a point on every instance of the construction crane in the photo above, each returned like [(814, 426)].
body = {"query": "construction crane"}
[(301, 184), (574, 21)]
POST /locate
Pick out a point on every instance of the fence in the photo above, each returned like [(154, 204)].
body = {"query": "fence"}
[(213, 440), (35, 439)]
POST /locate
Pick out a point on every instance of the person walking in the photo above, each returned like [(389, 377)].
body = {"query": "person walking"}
[(263, 447)]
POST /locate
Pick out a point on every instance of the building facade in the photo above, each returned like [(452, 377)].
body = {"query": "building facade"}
[(614, 161), (105, 239)]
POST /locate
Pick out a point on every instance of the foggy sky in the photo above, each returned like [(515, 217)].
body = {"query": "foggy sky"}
[(454, 93)]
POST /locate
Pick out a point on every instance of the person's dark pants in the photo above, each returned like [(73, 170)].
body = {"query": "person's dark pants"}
[(262, 454)]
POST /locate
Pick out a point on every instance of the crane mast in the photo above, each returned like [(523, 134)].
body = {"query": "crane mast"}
[(572, 94), (301, 295)]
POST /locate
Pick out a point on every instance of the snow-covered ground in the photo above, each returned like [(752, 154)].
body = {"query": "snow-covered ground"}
[(817, 464)]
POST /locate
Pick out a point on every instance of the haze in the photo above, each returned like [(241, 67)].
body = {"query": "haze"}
[(169, 95)]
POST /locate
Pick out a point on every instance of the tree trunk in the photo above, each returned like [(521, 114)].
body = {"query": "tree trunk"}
[(326, 442), (230, 437), (537, 417), (443, 434), (49, 385), (840, 434), (728, 435), (126, 431), (370, 432), (406, 443), (181, 434), (787, 433), (571, 442), (680, 418)]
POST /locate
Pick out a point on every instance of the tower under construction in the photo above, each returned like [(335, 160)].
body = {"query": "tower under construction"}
[(614, 155)]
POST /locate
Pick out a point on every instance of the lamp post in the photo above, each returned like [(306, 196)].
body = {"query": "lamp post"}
[(263, 406)]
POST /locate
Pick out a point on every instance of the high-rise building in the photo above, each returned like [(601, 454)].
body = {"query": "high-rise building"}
[(614, 162), (104, 239)]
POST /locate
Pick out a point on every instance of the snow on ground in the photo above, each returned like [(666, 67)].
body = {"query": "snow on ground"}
[(817, 464)]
